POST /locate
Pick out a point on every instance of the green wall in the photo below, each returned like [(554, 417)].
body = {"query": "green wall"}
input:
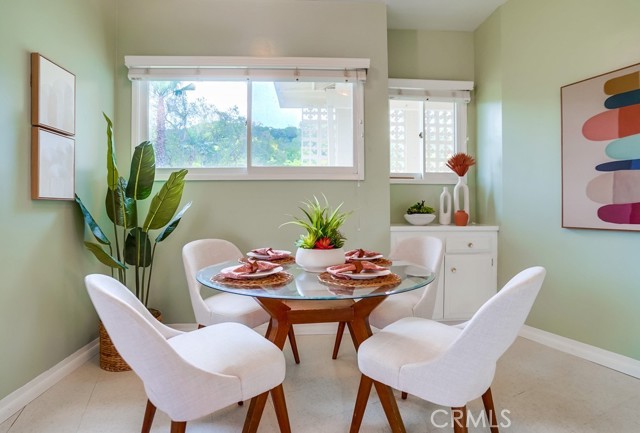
[(249, 213), (45, 314), (525, 53), (432, 55), (519, 58)]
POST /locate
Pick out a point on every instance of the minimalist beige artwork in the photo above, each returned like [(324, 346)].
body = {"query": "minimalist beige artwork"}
[(53, 91), (52, 165)]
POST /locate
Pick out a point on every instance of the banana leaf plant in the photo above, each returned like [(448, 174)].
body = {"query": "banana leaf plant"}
[(131, 241)]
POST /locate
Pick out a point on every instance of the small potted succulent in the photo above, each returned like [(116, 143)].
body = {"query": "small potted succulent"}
[(322, 244), (420, 214)]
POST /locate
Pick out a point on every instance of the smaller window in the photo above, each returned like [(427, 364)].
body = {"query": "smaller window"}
[(427, 124)]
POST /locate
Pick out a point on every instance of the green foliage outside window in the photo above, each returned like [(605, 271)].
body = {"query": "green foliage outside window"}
[(195, 133)]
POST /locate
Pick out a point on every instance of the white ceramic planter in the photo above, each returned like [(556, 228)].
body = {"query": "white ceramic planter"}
[(419, 219), (312, 260)]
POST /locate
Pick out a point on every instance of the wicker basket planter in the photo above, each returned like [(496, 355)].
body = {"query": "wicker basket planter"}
[(110, 359)]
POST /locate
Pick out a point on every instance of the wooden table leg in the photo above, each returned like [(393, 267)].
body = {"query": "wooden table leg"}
[(279, 325)]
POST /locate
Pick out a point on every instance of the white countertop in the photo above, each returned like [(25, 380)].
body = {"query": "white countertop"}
[(442, 228)]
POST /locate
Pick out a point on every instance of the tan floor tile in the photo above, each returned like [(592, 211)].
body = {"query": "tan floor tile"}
[(545, 391)]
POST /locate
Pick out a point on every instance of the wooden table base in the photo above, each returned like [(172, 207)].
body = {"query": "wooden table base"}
[(356, 315)]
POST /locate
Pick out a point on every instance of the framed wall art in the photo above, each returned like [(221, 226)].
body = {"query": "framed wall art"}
[(53, 96), (601, 151), (52, 165)]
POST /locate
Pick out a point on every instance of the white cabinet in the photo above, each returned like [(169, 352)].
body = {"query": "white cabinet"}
[(468, 276)]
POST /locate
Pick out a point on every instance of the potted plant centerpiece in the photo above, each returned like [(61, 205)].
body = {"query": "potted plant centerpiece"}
[(132, 242), (321, 246)]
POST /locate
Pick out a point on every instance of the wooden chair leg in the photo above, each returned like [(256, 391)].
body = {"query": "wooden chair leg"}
[(178, 426), (256, 407), (294, 345), (280, 405), (404, 395), (487, 400), (149, 413), (361, 403), (200, 326), (390, 407), (459, 417), (336, 345)]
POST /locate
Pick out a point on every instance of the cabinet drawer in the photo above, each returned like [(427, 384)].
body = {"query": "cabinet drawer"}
[(468, 244)]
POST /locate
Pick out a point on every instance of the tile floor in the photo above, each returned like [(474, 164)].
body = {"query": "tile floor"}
[(542, 389)]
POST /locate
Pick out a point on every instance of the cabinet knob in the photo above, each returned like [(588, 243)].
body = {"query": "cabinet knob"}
[(453, 270), (470, 244)]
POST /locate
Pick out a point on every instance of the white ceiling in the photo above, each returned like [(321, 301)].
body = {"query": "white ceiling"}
[(459, 15)]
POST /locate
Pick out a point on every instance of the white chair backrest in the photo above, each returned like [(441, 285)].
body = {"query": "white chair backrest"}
[(427, 251), (197, 255), (169, 380), (496, 324)]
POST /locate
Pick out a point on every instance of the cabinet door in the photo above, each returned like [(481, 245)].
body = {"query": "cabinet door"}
[(470, 280)]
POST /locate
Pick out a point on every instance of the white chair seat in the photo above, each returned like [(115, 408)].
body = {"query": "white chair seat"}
[(385, 354), (425, 251), (227, 307), (234, 350), (221, 307), (188, 375), (443, 364)]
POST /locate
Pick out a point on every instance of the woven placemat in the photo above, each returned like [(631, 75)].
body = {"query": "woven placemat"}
[(273, 280), (385, 280), (382, 262), (285, 261)]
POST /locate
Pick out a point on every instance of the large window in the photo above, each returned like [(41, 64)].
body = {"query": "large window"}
[(427, 124), (251, 121)]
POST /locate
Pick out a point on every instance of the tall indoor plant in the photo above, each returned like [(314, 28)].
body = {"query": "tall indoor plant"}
[(322, 244), (132, 240), (132, 243)]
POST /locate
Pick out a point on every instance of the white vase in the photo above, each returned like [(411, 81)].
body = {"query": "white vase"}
[(461, 192), (316, 260), (445, 207)]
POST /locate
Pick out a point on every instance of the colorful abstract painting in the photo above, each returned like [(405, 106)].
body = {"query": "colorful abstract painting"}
[(601, 151)]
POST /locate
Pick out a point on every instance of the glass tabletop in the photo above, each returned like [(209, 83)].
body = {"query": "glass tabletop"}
[(306, 285)]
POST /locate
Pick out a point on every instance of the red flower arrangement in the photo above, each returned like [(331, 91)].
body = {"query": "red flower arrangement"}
[(460, 163)]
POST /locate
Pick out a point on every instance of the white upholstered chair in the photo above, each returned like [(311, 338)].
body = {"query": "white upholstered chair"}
[(448, 365), (221, 307), (188, 375), (425, 251)]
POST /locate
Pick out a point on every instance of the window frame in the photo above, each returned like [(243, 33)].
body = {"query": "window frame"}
[(143, 69), (434, 90)]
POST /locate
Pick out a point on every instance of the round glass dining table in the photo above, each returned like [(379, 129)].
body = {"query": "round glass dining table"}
[(305, 299), (308, 287)]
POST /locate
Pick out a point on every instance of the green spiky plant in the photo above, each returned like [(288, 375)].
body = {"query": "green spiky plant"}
[(322, 225), (132, 242)]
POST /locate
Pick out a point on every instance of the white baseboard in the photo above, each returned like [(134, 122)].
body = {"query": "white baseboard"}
[(615, 361), (19, 398)]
